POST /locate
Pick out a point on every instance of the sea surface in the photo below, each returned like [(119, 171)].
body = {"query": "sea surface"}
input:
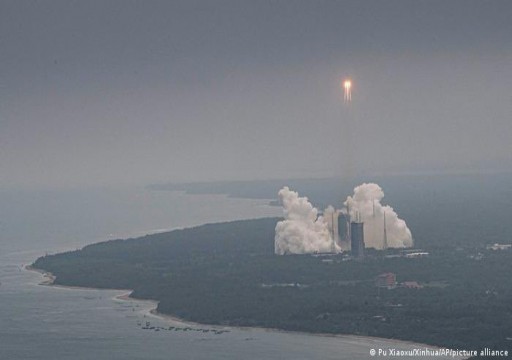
[(52, 323)]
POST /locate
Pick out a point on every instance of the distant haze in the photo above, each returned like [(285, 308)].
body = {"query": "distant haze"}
[(108, 92)]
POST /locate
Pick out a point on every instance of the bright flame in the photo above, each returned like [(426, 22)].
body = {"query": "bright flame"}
[(347, 94)]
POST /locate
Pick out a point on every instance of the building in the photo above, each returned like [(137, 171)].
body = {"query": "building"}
[(418, 254), (386, 280), (357, 239), (499, 247), (411, 285)]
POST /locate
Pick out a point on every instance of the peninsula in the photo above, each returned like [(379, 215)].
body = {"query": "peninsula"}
[(228, 274)]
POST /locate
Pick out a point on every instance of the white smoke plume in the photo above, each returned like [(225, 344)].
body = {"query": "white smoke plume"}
[(302, 231), (330, 216), (365, 203)]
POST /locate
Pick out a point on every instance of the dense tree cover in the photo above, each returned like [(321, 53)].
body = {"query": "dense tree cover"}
[(227, 274)]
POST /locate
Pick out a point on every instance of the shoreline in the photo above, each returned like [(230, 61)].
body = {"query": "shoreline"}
[(291, 332), (49, 279), (167, 317)]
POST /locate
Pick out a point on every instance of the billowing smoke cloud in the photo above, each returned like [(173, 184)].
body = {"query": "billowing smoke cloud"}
[(366, 204), (302, 231), (330, 216)]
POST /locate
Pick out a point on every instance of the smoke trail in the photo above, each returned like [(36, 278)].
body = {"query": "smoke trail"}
[(366, 202), (302, 231)]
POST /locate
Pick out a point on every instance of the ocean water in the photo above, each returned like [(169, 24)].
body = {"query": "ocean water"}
[(44, 322)]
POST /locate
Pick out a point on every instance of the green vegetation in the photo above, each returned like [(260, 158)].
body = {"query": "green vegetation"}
[(227, 274)]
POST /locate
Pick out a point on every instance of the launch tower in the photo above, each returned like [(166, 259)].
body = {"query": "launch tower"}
[(357, 238)]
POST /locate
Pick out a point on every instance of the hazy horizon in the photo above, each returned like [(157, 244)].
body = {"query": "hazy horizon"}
[(121, 92)]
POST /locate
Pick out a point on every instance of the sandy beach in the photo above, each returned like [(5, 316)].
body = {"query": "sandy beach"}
[(152, 305), (48, 277), (175, 319)]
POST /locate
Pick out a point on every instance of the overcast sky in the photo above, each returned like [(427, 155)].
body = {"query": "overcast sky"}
[(106, 92)]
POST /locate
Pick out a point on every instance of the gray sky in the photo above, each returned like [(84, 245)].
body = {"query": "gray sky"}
[(105, 92)]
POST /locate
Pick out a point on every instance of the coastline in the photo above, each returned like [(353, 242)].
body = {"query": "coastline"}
[(281, 331), (347, 337), (49, 278)]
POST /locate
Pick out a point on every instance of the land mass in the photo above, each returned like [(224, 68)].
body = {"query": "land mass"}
[(227, 274)]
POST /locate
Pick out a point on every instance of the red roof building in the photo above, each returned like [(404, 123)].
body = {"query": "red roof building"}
[(387, 280)]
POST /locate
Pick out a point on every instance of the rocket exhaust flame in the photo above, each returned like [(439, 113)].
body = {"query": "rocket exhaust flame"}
[(347, 93)]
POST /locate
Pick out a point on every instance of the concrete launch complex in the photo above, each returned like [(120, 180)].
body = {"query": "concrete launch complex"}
[(348, 232)]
